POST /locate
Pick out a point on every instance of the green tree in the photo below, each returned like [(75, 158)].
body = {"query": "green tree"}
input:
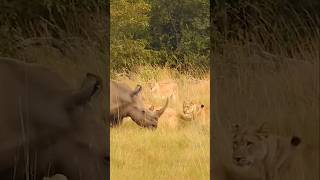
[(181, 25), (162, 33), (181, 29), (129, 30)]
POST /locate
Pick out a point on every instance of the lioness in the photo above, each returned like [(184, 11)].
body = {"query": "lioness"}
[(254, 148), (164, 89), (191, 110)]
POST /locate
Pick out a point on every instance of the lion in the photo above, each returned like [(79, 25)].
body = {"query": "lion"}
[(253, 148), (164, 89), (191, 110), (168, 119)]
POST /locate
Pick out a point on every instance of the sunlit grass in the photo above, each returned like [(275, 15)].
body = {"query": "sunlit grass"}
[(166, 153)]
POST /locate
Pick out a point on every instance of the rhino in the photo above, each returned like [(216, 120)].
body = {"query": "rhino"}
[(47, 127), (126, 102)]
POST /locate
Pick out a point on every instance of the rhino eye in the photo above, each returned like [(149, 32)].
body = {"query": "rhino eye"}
[(143, 111)]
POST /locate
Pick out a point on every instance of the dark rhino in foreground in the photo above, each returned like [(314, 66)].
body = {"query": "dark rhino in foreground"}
[(47, 128), (125, 102)]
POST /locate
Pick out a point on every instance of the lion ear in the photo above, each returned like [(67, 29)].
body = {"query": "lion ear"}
[(263, 130)]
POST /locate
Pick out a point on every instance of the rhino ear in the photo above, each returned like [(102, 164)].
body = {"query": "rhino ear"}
[(90, 87), (136, 91)]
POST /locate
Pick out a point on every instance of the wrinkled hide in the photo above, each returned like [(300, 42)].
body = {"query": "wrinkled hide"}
[(125, 102)]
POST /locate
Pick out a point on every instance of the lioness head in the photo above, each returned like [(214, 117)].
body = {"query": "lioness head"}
[(248, 145), (191, 110), (251, 144)]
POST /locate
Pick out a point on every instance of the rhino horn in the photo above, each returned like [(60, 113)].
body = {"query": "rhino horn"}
[(161, 111), (90, 86), (136, 90)]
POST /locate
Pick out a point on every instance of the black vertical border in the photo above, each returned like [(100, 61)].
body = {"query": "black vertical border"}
[(214, 4), (108, 80), (212, 90)]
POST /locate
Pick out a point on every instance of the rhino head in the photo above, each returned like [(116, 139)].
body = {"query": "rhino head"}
[(131, 105), (142, 116)]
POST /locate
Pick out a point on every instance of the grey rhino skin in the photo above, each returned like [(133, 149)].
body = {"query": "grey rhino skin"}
[(125, 102), (47, 128)]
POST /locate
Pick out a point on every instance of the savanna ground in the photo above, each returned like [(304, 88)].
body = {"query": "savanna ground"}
[(169, 152)]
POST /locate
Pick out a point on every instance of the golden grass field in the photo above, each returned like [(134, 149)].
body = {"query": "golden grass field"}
[(174, 152)]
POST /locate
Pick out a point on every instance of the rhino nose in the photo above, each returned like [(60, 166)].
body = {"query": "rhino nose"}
[(238, 159)]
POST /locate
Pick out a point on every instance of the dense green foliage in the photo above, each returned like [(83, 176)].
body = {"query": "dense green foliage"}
[(174, 34)]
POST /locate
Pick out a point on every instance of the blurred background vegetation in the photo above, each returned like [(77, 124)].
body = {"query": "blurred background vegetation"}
[(59, 22), (69, 35), (265, 69), (172, 34), (287, 28)]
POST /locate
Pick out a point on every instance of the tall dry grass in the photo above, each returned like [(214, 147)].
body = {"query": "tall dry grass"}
[(285, 96), (251, 87), (170, 152), (267, 70)]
